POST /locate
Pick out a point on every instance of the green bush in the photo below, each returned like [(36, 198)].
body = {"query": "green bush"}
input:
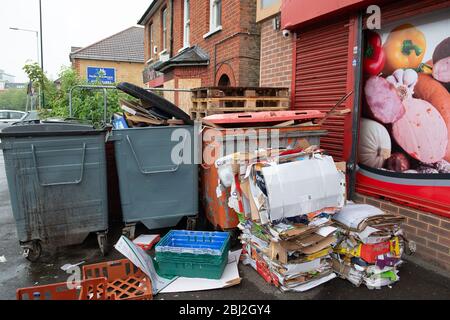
[(13, 99), (87, 104)]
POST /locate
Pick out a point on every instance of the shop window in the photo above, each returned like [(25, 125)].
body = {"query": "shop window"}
[(267, 8), (187, 23)]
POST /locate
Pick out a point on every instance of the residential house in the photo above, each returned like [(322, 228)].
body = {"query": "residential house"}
[(118, 58), (200, 43)]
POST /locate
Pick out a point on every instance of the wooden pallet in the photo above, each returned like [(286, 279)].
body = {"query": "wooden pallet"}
[(239, 103), (238, 98), (247, 92), (198, 115), (219, 100)]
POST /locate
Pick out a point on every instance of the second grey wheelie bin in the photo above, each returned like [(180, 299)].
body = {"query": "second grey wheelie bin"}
[(56, 176), (155, 190)]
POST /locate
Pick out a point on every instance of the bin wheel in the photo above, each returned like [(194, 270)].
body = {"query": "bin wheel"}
[(102, 239), (33, 252), (129, 231), (191, 223)]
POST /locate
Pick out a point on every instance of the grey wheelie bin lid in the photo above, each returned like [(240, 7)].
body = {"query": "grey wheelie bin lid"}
[(48, 129)]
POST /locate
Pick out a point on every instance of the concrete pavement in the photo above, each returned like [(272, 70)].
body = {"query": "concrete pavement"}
[(415, 282)]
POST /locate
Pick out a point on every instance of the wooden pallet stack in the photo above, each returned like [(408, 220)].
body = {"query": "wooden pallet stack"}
[(219, 100)]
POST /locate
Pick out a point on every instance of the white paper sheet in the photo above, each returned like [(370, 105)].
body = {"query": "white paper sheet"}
[(366, 236), (326, 231), (229, 278), (318, 222), (143, 261), (352, 215), (302, 267), (312, 284)]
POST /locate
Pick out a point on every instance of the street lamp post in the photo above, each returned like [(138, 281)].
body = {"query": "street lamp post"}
[(39, 39), (40, 32), (42, 49), (37, 50)]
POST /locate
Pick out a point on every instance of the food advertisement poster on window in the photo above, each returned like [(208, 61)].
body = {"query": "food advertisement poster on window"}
[(405, 125)]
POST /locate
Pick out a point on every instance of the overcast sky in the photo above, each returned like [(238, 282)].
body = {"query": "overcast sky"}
[(66, 23)]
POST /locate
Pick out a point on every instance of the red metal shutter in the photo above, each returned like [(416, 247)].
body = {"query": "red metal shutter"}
[(323, 74)]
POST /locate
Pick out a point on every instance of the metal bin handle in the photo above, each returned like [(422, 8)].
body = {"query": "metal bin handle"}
[(171, 169), (33, 149)]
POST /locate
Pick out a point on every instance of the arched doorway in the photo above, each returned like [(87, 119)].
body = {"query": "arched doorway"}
[(225, 76), (224, 81)]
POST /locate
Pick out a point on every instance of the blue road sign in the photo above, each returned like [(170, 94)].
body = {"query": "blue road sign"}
[(105, 75)]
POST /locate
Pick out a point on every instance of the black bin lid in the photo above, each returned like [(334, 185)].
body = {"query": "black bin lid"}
[(159, 104), (48, 129)]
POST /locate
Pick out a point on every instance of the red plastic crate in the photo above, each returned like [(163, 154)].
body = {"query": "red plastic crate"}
[(125, 281), (90, 289)]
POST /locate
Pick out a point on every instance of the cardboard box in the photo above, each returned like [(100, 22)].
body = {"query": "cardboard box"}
[(302, 187)]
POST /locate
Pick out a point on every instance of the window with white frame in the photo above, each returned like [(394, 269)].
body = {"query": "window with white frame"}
[(150, 39), (187, 23), (164, 29), (215, 15)]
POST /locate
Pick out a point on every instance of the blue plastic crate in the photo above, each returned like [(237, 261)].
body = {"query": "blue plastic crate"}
[(194, 242)]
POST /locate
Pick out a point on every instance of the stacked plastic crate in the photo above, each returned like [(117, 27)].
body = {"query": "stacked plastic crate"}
[(193, 254)]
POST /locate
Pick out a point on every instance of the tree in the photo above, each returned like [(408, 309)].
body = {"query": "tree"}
[(87, 104), (39, 80), (13, 99)]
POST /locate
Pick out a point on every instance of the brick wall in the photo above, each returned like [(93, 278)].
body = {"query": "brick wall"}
[(430, 232), (157, 39), (125, 71), (178, 27), (276, 57), (76, 66), (236, 46)]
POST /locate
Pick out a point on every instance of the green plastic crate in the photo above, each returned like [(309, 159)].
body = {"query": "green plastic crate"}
[(192, 265), (193, 269)]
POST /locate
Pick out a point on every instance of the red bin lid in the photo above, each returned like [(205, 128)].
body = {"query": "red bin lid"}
[(265, 116)]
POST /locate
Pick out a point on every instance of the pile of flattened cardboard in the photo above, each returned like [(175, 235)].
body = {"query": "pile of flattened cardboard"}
[(137, 115), (286, 199), (369, 247)]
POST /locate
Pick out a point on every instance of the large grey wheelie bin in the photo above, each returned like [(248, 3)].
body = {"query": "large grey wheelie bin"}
[(56, 176), (158, 177), (153, 189)]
